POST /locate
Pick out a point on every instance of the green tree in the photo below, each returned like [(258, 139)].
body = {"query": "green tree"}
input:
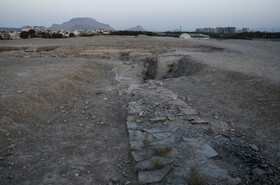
[(57, 35), (24, 35), (72, 35), (32, 33)]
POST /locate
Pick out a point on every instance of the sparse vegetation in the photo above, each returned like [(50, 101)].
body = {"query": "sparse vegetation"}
[(157, 164), (209, 131), (163, 150), (134, 134), (145, 141), (195, 177)]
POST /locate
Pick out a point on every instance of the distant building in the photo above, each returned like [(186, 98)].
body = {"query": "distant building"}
[(185, 36), (39, 29), (209, 30), (199, 30), (226, 30), (26, 28), (221, 30), (246, 30)]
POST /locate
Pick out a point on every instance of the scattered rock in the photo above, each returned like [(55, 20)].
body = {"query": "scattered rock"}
[(153, 176), (208, 151), (258, 174), (10, 177), (253, 146), (127, 183), (115, 179), (235, 181), (11, 147), (124, 174)]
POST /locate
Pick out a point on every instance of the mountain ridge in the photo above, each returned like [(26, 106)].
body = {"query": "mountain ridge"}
[(81, 23), (136, 28)]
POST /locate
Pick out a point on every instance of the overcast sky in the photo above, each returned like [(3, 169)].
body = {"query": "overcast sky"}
[(154, 15)]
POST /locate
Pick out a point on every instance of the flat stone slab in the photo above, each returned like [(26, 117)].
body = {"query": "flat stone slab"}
[(135, 135), (131, 125), (136, 145), (208, 151), (163, 142), (162, 135), (186, 139), (216, 172), (153, 120), (155, 130), (153, 176), (142, 155), (153, 163)]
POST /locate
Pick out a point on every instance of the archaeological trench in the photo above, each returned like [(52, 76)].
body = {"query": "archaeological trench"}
[(138, 110)]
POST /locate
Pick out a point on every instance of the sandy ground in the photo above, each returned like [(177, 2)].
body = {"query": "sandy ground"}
[(63, 101)]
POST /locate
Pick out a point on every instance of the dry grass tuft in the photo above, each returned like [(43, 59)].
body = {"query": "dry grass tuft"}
[(163, 150), (195, 177)]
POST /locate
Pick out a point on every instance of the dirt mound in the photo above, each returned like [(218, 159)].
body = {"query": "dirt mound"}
[(186, 66), (150, 68)]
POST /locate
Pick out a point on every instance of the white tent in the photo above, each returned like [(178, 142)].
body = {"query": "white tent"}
[(185, 36)]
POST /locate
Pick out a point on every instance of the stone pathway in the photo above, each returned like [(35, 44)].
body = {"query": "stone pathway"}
[(158, 122)]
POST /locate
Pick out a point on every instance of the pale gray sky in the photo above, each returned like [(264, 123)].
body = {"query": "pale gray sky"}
[(155, 15)]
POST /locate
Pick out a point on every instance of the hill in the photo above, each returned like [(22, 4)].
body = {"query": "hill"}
[(136, 28), (81, 24)]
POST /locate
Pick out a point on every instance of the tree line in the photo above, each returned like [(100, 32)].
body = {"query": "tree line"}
[(45, 35)]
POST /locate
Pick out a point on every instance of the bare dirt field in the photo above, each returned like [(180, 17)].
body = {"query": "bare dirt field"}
[(63, 109)]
